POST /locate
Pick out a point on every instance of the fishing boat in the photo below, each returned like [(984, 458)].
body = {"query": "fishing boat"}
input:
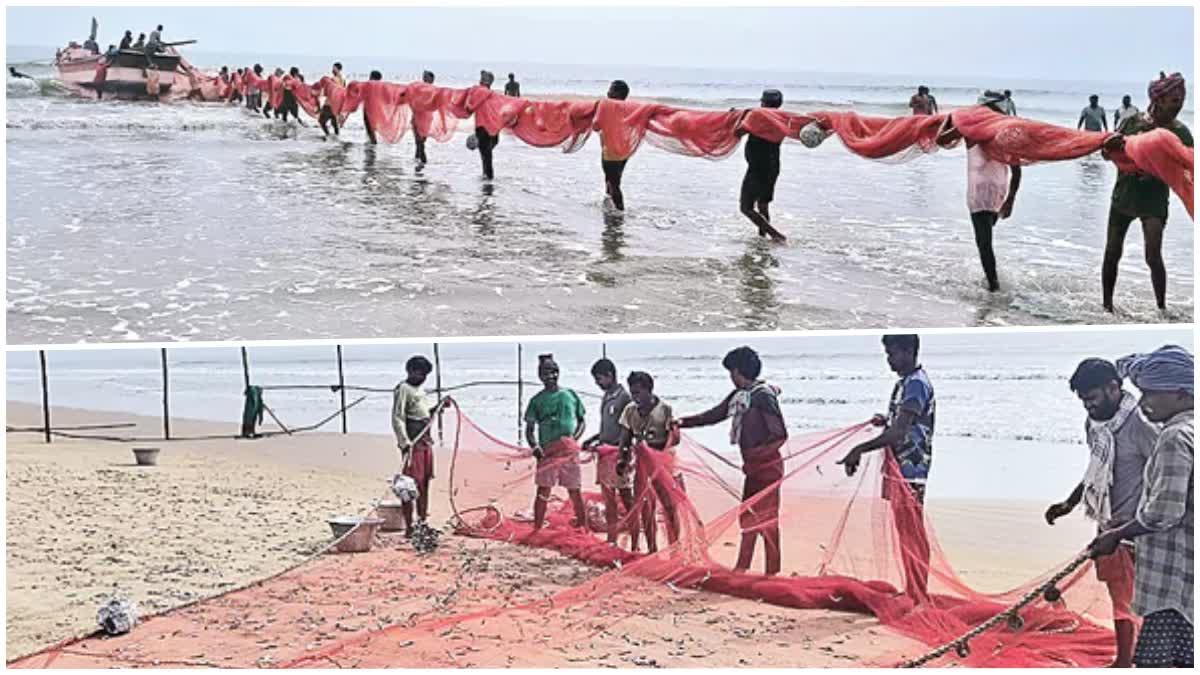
[(123, 74)]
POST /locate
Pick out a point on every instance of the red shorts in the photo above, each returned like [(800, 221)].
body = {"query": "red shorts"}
[(420, 464), (1116, 571)]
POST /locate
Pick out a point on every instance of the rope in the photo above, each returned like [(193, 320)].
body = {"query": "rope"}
[(961, 643)]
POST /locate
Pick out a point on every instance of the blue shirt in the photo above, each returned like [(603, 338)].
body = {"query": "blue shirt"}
[(914, 393)]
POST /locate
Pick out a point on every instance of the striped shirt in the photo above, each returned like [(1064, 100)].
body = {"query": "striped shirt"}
[(1166, 556)]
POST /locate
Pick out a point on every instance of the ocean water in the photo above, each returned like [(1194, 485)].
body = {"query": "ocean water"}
[(203, 222), (1008, 427)]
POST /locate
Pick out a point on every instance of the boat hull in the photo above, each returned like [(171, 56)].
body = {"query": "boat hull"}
[(125, 77)]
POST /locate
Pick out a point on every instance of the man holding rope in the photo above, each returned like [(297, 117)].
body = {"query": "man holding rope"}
[(1164, 522), (1120, 441), (410, 422)]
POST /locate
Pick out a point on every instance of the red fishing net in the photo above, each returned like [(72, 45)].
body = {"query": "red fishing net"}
[(623, 125), (858, 544)]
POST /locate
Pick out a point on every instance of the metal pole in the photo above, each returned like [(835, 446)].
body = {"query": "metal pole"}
[(604, 350), (45, 396), (437, 370), (520, 395), (166, 398), (245, 367), (342, 387)]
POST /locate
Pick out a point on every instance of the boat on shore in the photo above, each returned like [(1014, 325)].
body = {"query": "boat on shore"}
[(126, 74)]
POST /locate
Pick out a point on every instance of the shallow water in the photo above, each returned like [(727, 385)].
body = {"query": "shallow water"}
[(203, 222)]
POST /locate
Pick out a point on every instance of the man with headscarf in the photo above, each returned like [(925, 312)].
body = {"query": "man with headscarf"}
[(762, 172), (1139, 196), (1119, 441), (991, 188), (1164, 523)]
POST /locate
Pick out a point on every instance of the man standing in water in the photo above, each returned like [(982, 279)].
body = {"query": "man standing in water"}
[(1126, 111), (1092, 118), (991, 189), (611, 481), (1120, 441), (484, 141), (922, 102), (512, 87), (326, 116), (410, 423), (908, 434), (611, 161), (427, 77), (558, 417), (759, 432), (1164, 524), (1140, 196), (375, 76), (253, 93), (762, 171)]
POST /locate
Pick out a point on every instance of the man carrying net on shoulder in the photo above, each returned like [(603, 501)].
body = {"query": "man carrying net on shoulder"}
[(557, 416)]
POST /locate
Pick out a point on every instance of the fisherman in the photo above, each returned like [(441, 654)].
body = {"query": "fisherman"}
[(908, 434), (512, 87), (922, 102), (557, 415), (375, 76), (1127, 110), (12, 70), (155, 44), (1140, 196), (762, 171), (991, 188), (1164, 523), (647, 426), (1093, 116), (290, 106), (1120, 442), (267, 107), (427, 77), (326, 116), (410, 423), (127, 40), (253, 93), (759, 432), (140, 45), (611, 481), (485, 142), (612, 162), (1010, 108)]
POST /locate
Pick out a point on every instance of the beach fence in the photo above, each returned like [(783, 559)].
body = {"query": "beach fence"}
[(257, 393)]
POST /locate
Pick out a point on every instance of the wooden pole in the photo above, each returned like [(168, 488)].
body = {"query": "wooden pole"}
[(166, 398), (604, 350), (245, 368), (520, 396), (45, 396), (437, 370), (342, 387)]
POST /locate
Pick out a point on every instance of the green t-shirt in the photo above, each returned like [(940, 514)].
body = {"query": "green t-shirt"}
[(556, 414), (1139, 194)]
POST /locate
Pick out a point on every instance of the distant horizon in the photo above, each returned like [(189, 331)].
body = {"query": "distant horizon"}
[(1054, 44), (259, 56)]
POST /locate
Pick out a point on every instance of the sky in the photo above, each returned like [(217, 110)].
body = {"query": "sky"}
[(1055, 43)]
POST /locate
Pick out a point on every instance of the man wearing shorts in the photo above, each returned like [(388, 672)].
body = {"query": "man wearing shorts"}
[(611, 162), (647, 426), (1120, 442), (762, 170), (557, 416), (606, 442)]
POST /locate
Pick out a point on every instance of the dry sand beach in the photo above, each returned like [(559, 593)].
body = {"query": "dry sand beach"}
[(214, 515)]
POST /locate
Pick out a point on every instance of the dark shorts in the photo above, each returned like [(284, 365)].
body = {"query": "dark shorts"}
[(613, 169), (1166, 640), (759, 185)]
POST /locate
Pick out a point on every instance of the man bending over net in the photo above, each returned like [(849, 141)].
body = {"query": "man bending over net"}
[(557, 416), (759, 432)]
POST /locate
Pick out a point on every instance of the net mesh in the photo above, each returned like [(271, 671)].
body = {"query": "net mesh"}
[(859, 544)]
